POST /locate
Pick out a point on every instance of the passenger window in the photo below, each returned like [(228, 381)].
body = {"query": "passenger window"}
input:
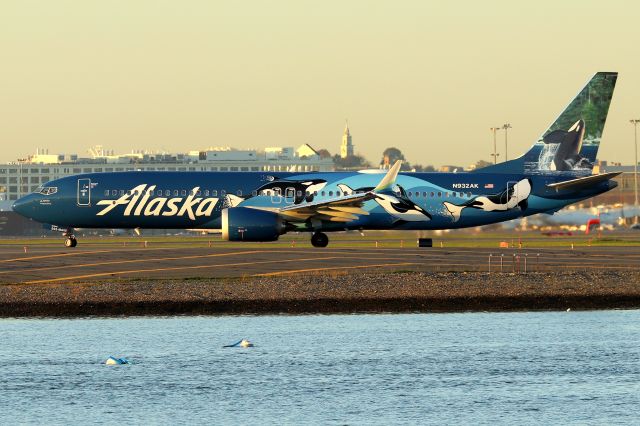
[(223, 193), (254, 192), (129, 192), (330, 193), (409, 193), (239, 193), (439, 194), (122, 192), (432, 195), (114, 192), (176, 192), (424, 194), (469, 194), (214, 192), (183, 192), (315, 193), (159, 193), (206, 192), (323, 193), (106, 192), (298, 193)]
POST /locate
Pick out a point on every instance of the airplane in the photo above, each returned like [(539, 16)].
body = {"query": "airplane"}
[(260, 206)]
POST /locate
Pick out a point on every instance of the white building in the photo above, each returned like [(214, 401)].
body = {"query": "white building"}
[(346, 148)]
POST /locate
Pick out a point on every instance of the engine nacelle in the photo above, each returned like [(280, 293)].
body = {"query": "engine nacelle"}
[(245, 224)]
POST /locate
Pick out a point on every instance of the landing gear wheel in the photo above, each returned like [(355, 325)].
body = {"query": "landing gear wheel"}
[(319, 239), (70, 242)]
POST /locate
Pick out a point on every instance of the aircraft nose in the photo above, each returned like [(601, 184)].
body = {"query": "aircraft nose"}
[(22, 205)]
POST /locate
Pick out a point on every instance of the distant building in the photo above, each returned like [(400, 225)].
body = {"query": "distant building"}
[(346, 149), (451, 169), (306, 151)]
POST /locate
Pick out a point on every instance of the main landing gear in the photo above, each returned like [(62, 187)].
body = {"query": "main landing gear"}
[(70, 239), (319, 239)]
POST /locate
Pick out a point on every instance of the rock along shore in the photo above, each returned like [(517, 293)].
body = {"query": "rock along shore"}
[(348, 293)]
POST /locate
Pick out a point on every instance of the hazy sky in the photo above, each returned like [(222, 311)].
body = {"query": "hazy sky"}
[(429, 77)]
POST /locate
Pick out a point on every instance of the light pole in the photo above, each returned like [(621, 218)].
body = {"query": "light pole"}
[(495, 152), (20, 162), (635, 162), (506, 128)]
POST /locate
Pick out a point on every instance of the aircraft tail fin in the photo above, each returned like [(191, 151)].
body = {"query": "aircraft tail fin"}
[(570, 144)]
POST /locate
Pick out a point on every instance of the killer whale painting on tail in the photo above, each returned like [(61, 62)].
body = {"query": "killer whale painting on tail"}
[(570, 144)]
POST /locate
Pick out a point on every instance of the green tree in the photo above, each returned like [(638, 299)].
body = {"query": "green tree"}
[(391, 155), (351, 162), (323, 153), (480, 164)]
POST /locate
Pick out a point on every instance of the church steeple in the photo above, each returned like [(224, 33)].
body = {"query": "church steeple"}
[(346, 149)]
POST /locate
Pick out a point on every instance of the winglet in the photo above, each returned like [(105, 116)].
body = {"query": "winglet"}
[(390, 178)]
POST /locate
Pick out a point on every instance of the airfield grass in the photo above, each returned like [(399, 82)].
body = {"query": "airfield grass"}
[(371, 239)]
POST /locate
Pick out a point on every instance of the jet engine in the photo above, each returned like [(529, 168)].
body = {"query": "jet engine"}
[(246, 224)]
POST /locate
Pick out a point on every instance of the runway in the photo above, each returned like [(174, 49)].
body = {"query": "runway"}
[(110, 261)]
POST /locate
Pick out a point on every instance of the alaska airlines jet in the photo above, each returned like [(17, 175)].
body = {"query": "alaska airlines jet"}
[(261, 206)]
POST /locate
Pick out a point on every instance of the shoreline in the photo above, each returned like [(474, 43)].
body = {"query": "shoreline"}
[(395, 292)]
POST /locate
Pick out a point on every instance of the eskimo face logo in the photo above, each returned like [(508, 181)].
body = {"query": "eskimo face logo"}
[(138, 204)]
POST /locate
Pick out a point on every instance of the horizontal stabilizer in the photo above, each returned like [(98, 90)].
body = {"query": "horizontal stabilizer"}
[(583, 182)]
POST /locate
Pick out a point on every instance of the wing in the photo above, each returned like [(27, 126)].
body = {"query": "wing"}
[(340, 209), (583, 182)]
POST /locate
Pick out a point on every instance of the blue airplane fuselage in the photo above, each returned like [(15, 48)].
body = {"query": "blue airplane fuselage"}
[(261, 206), (185, 200)]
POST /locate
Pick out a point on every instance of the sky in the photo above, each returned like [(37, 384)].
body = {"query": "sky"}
[(427, 77)]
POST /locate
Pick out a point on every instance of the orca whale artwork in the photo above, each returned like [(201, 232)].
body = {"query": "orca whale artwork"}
[(255, 206)]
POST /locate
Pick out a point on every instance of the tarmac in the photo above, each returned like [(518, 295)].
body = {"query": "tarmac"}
[(39, 264)]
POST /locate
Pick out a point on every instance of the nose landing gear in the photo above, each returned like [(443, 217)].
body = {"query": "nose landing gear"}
[(70, 239), (319, 239)]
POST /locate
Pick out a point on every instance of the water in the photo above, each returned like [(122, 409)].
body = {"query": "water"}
[(516, 368), (547, 154)]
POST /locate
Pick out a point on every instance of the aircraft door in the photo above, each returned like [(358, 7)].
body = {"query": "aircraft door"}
[(84, 192), (510, 194), (290, 195)]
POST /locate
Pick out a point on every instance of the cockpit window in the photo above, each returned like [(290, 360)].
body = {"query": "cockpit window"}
[(46, 190)]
